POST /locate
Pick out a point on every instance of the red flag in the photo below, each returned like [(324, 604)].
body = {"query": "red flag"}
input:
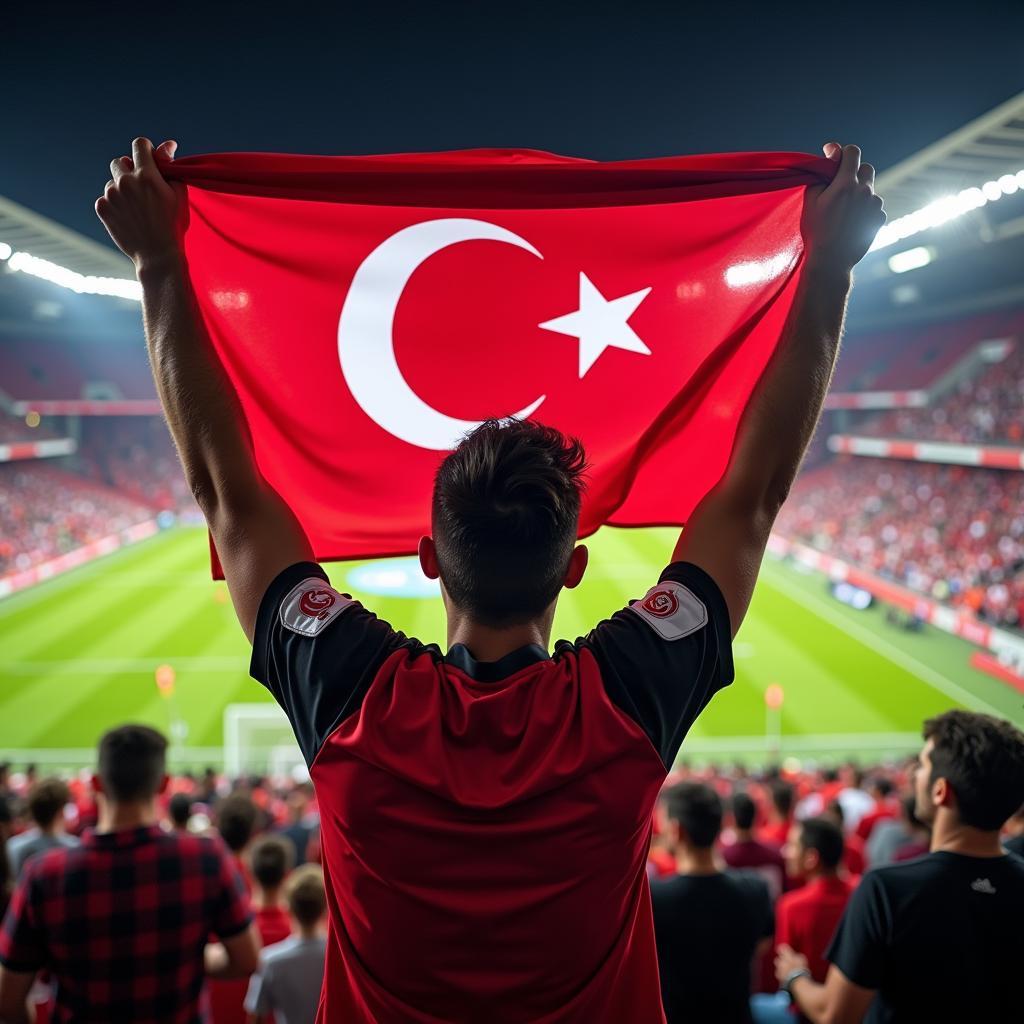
[(370, 310)]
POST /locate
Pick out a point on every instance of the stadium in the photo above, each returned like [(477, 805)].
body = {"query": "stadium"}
[(891, 593), (910, 607)]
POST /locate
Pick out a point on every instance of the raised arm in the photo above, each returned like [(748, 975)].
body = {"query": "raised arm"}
[(254, 530), (728, 531)]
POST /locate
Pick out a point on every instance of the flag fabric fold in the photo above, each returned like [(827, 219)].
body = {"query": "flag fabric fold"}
[(371, 310)]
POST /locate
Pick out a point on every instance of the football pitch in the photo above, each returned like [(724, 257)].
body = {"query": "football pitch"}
[(79, 654)]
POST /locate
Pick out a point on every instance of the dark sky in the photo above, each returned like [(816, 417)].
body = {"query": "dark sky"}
[(602, 80)]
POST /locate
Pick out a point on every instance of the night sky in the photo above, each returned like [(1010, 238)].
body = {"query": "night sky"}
[(602, 80)]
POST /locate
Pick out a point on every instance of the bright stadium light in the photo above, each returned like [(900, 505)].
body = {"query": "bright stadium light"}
[(910, 259), (83, 284), (5, 251), (946, 209)]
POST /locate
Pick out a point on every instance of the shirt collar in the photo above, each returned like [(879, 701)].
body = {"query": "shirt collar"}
[(494, 671), (121, 838)]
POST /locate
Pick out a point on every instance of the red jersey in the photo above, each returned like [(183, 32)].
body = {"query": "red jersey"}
[(485, 826), (806, 919)]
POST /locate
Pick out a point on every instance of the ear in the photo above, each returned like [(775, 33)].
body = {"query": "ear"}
[(942, 793), (164, 783), (578, 561), (97, 784), (428, 558)]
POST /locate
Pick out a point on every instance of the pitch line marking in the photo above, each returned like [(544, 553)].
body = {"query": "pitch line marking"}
[(873, 641)]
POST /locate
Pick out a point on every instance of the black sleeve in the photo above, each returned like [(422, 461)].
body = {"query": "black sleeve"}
[(861, 941), (663, 657), (317, 651)]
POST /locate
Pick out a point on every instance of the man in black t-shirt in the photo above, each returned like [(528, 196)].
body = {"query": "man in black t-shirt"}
[(708, 924), (938, 938)]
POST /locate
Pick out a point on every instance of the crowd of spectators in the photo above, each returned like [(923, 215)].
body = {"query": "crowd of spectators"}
[(987, 409), (953, 533), (135, 455), (46, 512), (749, 869)]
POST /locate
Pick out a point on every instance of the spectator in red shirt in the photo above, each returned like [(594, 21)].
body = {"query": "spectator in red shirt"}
[(880, 788), (781, 815), (747, 852), (236, 822), (806, 918), (121, 922), (272, 859)]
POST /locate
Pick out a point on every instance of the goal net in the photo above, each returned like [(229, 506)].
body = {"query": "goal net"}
[(258, 740)]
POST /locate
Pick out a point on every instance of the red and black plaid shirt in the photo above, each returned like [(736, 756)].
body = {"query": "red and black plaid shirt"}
[(121, 922)]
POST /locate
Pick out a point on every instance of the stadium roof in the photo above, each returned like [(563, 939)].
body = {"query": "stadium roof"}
[(24, 230), (983, 150)]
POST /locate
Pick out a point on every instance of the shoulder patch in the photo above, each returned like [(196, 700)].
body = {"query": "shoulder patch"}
[(310, 605), (671, 610)]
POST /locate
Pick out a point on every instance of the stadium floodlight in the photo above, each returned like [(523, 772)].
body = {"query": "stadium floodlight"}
[(119, 287), (946, 209), (910, 259), (5, 251)]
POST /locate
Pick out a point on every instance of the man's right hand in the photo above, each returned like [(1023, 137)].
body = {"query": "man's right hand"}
[(840, 220), (143, 213)]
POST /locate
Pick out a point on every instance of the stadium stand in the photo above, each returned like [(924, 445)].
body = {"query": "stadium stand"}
[(952, 533), (46, 512)]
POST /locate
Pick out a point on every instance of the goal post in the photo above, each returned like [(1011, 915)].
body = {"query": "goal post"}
[(258, 740)]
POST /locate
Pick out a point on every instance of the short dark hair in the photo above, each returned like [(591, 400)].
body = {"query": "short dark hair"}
[(744, 810), (697, 809), (824, 836), (883, 784), (982, 759), (236, 820), (505, 517), (132, 762), (307, 900), (272, 858), (179, 807), (47, 800), (782, 797)]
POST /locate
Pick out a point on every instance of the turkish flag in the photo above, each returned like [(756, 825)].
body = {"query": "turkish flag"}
[(371, 310)]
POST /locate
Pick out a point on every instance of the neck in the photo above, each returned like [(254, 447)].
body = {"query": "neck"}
[(744, 835), (52, 829), (693, 861), (309, 931), (267, 899), (486, 643), (118, 817), (953, 836)]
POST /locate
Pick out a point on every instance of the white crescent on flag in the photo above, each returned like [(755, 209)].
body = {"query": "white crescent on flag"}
[(366, 343)]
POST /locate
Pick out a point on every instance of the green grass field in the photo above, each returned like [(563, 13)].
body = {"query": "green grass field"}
[(78, 654)]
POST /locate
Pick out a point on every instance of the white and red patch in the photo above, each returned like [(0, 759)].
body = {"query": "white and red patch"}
[(671, 610), (310, 605)]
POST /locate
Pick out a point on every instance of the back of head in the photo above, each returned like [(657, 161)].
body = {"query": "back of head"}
[(271, 860), (46, 800), (505, 517), (782, 798), (982, 759), (236, 821), (132, 763), (179, 808), (307, 900), (743, 811), (882, 784), (697, 809), (826, 838)]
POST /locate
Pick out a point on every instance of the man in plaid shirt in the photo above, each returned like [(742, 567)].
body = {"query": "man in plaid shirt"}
[(122, 922)]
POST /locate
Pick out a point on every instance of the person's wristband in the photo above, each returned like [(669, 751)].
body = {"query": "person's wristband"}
[(787, 985)]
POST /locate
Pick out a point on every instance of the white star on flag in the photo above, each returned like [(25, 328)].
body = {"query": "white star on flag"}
[(600, 323)]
